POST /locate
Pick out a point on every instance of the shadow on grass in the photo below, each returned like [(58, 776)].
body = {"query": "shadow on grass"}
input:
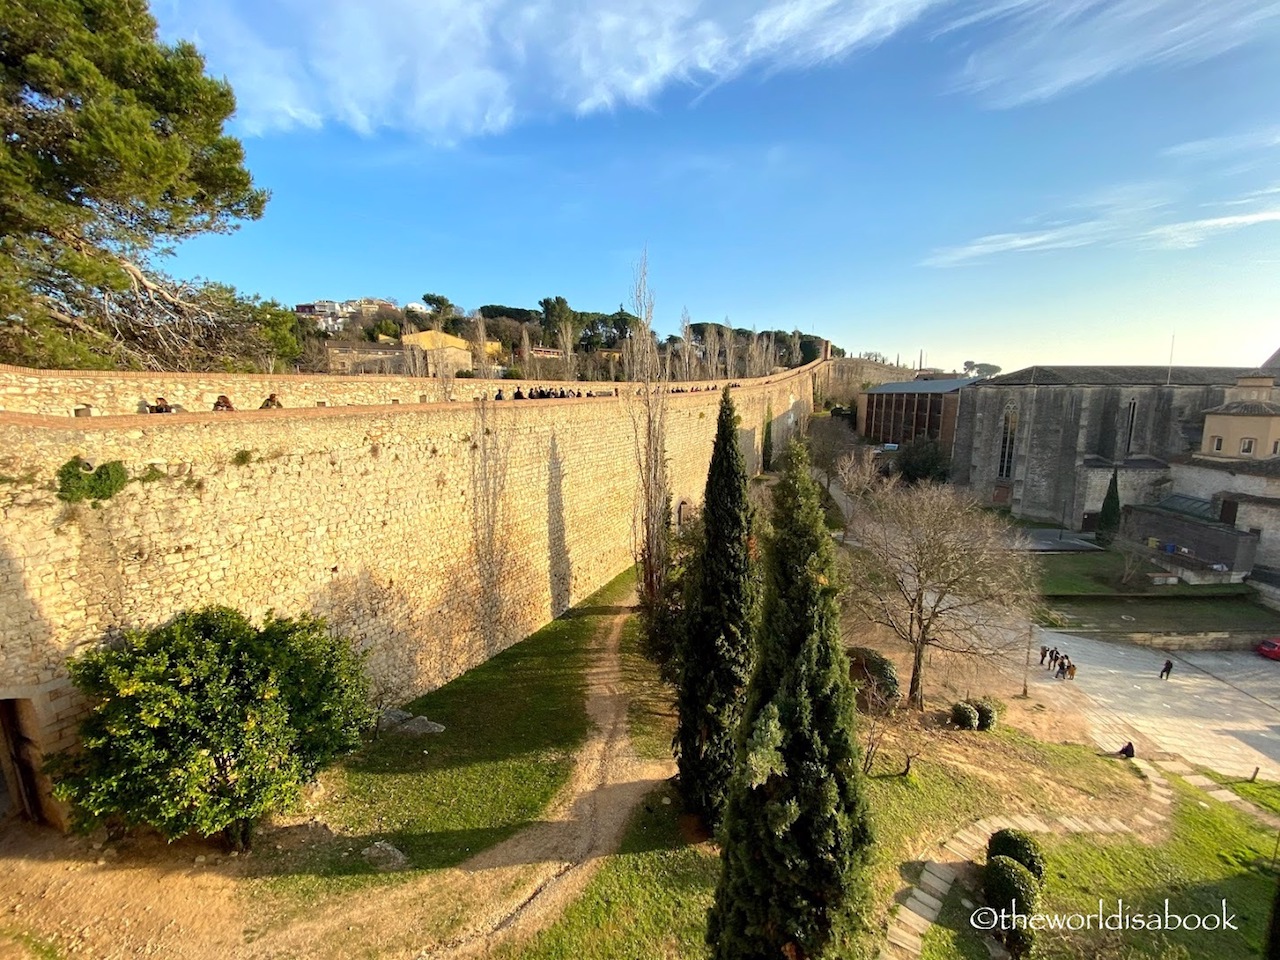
[(315, 850), (599, 611)]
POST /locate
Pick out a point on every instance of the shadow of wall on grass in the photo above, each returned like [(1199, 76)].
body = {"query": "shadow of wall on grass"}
[(559, 569)]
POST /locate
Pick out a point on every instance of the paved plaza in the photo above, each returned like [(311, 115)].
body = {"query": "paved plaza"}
[(1218, 709)]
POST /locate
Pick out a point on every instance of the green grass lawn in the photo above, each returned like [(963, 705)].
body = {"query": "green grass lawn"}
[(651, 716), (648, 900), (1264, 794), (1169, 615), (1214, 853), (1098, 573), (512, 725), (951, 937)]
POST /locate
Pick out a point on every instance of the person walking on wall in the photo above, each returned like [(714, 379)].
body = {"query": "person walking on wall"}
[(1166, 670)]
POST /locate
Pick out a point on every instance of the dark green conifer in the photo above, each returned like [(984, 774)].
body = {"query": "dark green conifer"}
[(717, 655), (1109, 518), (796, 832)]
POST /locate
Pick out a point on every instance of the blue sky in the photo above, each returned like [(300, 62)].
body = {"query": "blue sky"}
[(1013, 181)]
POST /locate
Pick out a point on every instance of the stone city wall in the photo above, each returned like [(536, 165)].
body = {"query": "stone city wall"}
[(61, 393), (435, 535)]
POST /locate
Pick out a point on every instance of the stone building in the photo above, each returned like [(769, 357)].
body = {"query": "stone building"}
[(1044, 441), (1233, 480)]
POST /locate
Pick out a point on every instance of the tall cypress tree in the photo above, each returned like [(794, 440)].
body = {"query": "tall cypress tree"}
[(796, 832), (717, 644), (1109, 518)]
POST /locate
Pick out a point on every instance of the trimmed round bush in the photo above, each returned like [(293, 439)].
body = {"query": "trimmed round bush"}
[(964, 716), (995, 703), (1020, 846), (1008, 885), (877, 680), (988, 717)]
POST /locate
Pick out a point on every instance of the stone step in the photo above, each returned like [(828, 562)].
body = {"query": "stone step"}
[(933, 885), (940, 870), (913, 921), (927, 898), (905, 940), (927, 911)]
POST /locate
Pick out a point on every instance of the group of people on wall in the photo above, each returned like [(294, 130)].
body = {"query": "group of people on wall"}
[(221, 405)]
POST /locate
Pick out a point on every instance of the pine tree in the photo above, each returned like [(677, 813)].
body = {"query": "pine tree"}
[(796, 832), (1109, 518), (717, 643)]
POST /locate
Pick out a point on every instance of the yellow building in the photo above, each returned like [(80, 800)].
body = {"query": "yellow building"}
[(428, 340), (1247, 425)]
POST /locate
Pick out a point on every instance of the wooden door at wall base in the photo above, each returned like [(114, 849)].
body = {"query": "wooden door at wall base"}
[(19, 758)]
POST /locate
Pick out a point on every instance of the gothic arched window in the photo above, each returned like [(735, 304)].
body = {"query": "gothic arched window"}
[(1008, 436)]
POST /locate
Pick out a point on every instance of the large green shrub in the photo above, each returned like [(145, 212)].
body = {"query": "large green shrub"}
[(77, 481), (964, 716), (877, 678), (988, 716), (206, 724), (1008, 885), (1020, 846)]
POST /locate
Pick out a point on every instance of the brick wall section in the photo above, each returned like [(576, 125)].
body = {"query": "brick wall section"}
[(434, 535)]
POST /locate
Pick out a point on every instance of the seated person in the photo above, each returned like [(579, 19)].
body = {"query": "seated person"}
[(272, 403), (1126, 751), (222, 403), (161, 406)]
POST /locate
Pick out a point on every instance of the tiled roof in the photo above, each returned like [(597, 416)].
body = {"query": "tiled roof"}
[(1248, 408), (1120, 376), (1269, 467)]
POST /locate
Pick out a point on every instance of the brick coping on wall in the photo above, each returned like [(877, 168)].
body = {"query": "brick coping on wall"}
[(131, 420)]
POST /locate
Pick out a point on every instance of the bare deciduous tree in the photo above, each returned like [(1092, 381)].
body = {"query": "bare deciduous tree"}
[(438, 360), (1134, 556), (480, 348), (686, 345), (730, 351), (711, 347), (564, 333), (941, 573), (647, 405)]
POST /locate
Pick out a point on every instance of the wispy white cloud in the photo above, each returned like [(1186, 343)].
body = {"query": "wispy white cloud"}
[(1192, 233), (1128, 216), (450, 69), (1226, 146), (1046, 47)]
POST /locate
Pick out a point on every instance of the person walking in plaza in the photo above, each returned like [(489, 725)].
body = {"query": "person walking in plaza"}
[(1062, 667), (1044, 652), (1166, 670)]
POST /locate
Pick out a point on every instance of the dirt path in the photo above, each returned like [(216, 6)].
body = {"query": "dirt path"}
[(522, 884), (137, 908)]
